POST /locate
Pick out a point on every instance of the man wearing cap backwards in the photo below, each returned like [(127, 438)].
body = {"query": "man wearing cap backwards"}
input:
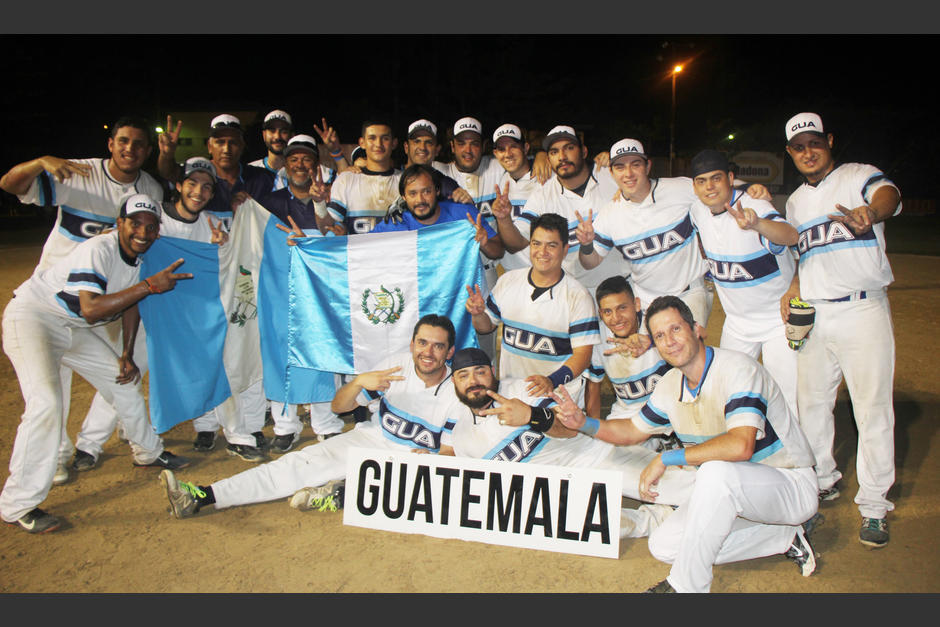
[(87, 195), (839, 212), (754, 488), (302, 205), (746, 248), (497, 419), (549, 322), (358, 200), (226, 145), (419, 187), (48, 323), (649, 224), (407, 395), (578, 190), (517, 182)]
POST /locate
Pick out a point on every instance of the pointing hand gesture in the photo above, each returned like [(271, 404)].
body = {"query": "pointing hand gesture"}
[(745, 216), (511, 411), (859, 219), (166, 279), (501, 205), (585, 230)]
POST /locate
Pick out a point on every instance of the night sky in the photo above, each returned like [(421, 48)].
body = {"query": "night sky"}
[(871, 92)]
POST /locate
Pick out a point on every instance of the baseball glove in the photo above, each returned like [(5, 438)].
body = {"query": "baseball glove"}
[(802, 317)]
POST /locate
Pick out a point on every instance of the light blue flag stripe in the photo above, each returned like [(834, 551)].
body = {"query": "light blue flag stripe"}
[(186, 329), (307, 386)]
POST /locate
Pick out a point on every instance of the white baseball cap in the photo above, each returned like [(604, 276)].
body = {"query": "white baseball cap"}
[(199, 164), (422, 126), (301, 142), (557, 133), (804, 123), (277, 116), (468, 124), (627, 148), (508, 130), (140, 203), (224, 122)]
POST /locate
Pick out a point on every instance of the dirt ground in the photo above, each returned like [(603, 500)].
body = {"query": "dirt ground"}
[(119, 537)]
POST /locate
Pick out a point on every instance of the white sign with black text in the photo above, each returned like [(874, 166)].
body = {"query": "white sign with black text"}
[(552, 508)]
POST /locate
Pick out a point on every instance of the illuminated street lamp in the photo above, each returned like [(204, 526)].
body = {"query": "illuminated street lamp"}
[(672, 125)]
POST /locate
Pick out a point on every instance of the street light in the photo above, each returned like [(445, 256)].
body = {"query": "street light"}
[(672, 125)]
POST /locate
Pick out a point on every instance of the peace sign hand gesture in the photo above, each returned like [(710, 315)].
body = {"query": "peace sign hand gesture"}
[(585, 230), (511, 411), (329, 136), (480, 236), (746, 217), (501, 205), (293, 232), (219, 236), (859, 219), (169, 139)]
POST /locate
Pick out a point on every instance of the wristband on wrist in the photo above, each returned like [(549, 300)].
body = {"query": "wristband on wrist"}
[(587, 249), (675, 457), (319, 208), (591, 425), (541, 419), (150, 286), (337, 155), (560, 376)]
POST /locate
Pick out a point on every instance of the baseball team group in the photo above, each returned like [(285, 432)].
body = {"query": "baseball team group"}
[(591, 269)]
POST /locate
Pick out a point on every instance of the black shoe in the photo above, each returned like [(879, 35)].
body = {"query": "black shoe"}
[(83, 461), (204, 442), (166, 460), (260, 441), (662, 587), (284, 443), (247, 453), (37, 521)]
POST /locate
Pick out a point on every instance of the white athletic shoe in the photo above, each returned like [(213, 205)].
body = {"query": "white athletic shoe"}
[(61, 474), (324, 498)]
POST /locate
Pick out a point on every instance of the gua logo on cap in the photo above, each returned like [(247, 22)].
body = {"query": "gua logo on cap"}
[(508, 130), (804, 123), (468, 124), (626, 148), (140, 203)]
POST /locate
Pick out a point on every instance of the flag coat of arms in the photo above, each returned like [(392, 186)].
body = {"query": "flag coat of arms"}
[(354, 300)]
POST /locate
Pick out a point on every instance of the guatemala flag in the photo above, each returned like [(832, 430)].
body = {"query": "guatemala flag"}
[(203, 340), (354, 300)]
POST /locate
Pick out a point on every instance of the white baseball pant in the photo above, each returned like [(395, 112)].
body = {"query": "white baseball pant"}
[(737, 511), (778, 358), (854, 339), (37, 344)]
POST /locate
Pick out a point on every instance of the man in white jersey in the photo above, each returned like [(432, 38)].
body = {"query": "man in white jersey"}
[(87, 195), (648, 223), (755, 486), (516, 184), (498, 420), (47, 324), (407, 397), (632, 365), (360, 199), (746, 248), (578, 190), (839, 212), (548, 318)]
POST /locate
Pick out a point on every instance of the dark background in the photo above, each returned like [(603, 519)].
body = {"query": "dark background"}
[(876, 94)]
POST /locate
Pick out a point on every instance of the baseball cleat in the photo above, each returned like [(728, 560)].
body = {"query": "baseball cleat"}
[(246, 452), (284, 443), (61, 475), (168, 460), (662, 587), (801, 552), (327, 497), (874, 532), (204, 442), (260, 441), (182, 495), (37, 521), (83, 461), (829, 494)]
